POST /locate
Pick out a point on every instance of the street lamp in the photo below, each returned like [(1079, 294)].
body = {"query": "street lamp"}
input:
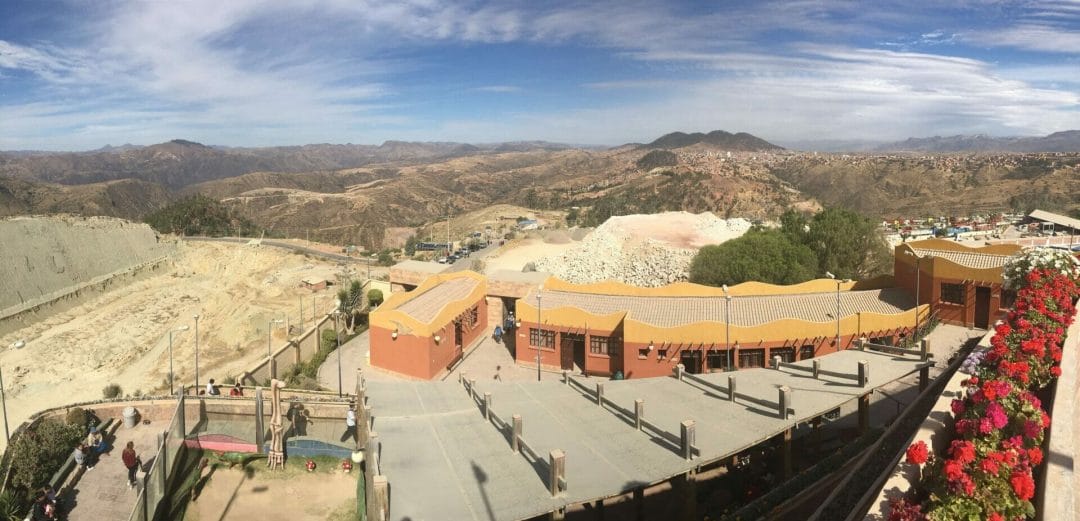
[(727, 325), (918, 282), (172, 388), (337, 336), (838, 282), (540, 329), (18, 344), (269, 328), (196, 317)]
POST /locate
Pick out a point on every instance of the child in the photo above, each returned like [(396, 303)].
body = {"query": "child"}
[(131, 461), (237, 391)]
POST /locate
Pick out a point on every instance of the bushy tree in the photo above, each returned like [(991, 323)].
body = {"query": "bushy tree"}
[(847, 244), (200, 215), (39, 452), (375, 297), (386, 258), (760, 255), (410, 246)]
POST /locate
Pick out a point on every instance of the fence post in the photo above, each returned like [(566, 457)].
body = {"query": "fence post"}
[(566, 377), (557, 477), (364, 427), (639, 413), (679, 369), (515, 437), (381, 496), (817, 368), (472, 387), (599, 394), (924, 348), (731, 388), (360, 385), (776, 362), (260, 429), (785, 401), (686, 431), (487, 406), (864, 373)]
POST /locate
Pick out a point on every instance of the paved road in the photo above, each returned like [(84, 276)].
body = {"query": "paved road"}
[(288, 246)]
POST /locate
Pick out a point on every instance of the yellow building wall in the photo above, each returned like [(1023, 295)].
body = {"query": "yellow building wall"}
[(389, 317)]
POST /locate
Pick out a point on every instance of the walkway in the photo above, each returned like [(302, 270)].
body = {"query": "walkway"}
[(433, 433), (103, 493)]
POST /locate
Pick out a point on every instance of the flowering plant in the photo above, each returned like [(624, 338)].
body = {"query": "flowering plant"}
[(1020, 265), (1000, 423)]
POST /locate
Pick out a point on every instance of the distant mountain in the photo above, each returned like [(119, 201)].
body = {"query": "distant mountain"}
[(1067, 141), (831, 145), (716, 139)]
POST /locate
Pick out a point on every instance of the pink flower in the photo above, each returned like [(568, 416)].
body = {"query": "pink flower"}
[(957, 407), (996, 415)]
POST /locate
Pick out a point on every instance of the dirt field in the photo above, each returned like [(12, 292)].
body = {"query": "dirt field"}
[(519, 252), (123, 336), (271, 495)]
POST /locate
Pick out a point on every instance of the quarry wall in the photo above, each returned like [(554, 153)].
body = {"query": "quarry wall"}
[(45, 259)]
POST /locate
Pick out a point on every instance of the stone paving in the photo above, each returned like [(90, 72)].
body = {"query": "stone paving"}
[(102, 493)]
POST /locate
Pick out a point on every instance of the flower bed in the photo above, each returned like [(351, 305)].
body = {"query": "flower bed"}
[(999, 427)]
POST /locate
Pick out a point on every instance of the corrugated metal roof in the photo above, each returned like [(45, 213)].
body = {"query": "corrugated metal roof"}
[(974, 260), (745, 311), (425, 306), (1041, 215)]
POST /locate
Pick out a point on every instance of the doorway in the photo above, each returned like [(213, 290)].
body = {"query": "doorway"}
[(982, 307), (691, 360), (572, 351)]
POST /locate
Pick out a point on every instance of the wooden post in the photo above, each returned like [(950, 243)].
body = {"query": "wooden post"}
[(924, 348), (686, 438), (599, 394), (296, 351), (566, 377), (487, 406), (472, 387), (785, 401), (364, 426), (786, 450), (731, 388), (817, 369), (381, 495), (260, 429), (679, 370), (639, 413), (864, 413), (864, 373), (557, 477), (360, 385), (515, 435), (924, 377)]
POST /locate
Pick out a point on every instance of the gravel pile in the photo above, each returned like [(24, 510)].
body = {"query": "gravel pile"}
[(642, 250)]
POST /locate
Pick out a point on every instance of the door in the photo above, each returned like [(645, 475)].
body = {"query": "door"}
[(566, 352), (982, 307), (691, 360)]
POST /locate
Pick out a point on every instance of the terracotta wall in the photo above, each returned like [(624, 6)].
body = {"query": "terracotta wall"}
[(420, 356)]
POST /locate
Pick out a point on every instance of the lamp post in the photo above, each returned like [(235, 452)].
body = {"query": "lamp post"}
[(727, 325), (196, 317), (838, 281), (172, 388), (18, 344), (337, 336), (918, 282), (540, 328), (269, 328)]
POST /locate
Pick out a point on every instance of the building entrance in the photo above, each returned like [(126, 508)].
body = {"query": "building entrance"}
[(572, 351), (691, 361), (982, 307)]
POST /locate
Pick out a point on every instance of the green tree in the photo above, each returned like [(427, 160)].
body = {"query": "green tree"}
[(386, 258), (38, 453), (375, 297), (847, 244), (761, 255), (200, 215), (410, 246)]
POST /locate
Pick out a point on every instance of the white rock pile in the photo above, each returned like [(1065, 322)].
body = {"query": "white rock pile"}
[(642, 250)]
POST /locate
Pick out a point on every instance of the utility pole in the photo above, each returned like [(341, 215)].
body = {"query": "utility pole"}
[(448, 210)]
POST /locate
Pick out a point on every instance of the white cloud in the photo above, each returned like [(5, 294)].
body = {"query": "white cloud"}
[(498, 89)]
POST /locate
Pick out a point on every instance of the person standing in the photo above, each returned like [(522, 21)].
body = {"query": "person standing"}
[(350, 424), (80, 456), (131, 461)]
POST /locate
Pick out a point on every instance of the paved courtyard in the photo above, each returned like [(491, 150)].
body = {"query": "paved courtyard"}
[(103, 493)]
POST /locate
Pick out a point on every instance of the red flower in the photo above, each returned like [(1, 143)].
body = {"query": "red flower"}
[(994, 516), (917, 453), (963, 451), (1056, 371), (1035, 455), (1023, 485)]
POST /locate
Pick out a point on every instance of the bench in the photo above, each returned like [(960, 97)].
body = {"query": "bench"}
[(64, 478)]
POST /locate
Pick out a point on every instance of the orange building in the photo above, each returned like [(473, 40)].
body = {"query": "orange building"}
[(962, 285), (609, 327), (422, 332)]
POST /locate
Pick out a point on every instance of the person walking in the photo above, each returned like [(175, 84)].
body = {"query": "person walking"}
[(350, 424), (497, 335), (131, 461)]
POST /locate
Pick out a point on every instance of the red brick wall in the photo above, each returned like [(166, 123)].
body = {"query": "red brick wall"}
[(421, 356)]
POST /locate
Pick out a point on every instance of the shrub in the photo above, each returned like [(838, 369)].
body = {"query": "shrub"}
[(39, 452), (375, 297), (76, 416), (112, 391)]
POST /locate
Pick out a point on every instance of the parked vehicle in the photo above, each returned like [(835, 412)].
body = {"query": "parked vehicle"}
[(442, 260)]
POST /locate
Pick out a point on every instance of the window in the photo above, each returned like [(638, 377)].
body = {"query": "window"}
[(786, 354), (952, 293), (806, 352), (717, 360), (599, 345), (643, 353), (751, 358), (542, 338), (661, 354), (1008, 298)]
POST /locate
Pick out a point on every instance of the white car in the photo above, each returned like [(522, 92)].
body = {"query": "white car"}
[(442, 260)]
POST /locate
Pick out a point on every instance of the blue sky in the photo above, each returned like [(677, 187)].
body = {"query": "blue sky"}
[(79, 74)]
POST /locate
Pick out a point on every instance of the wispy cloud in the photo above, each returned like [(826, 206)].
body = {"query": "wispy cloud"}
[(498, 89)]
